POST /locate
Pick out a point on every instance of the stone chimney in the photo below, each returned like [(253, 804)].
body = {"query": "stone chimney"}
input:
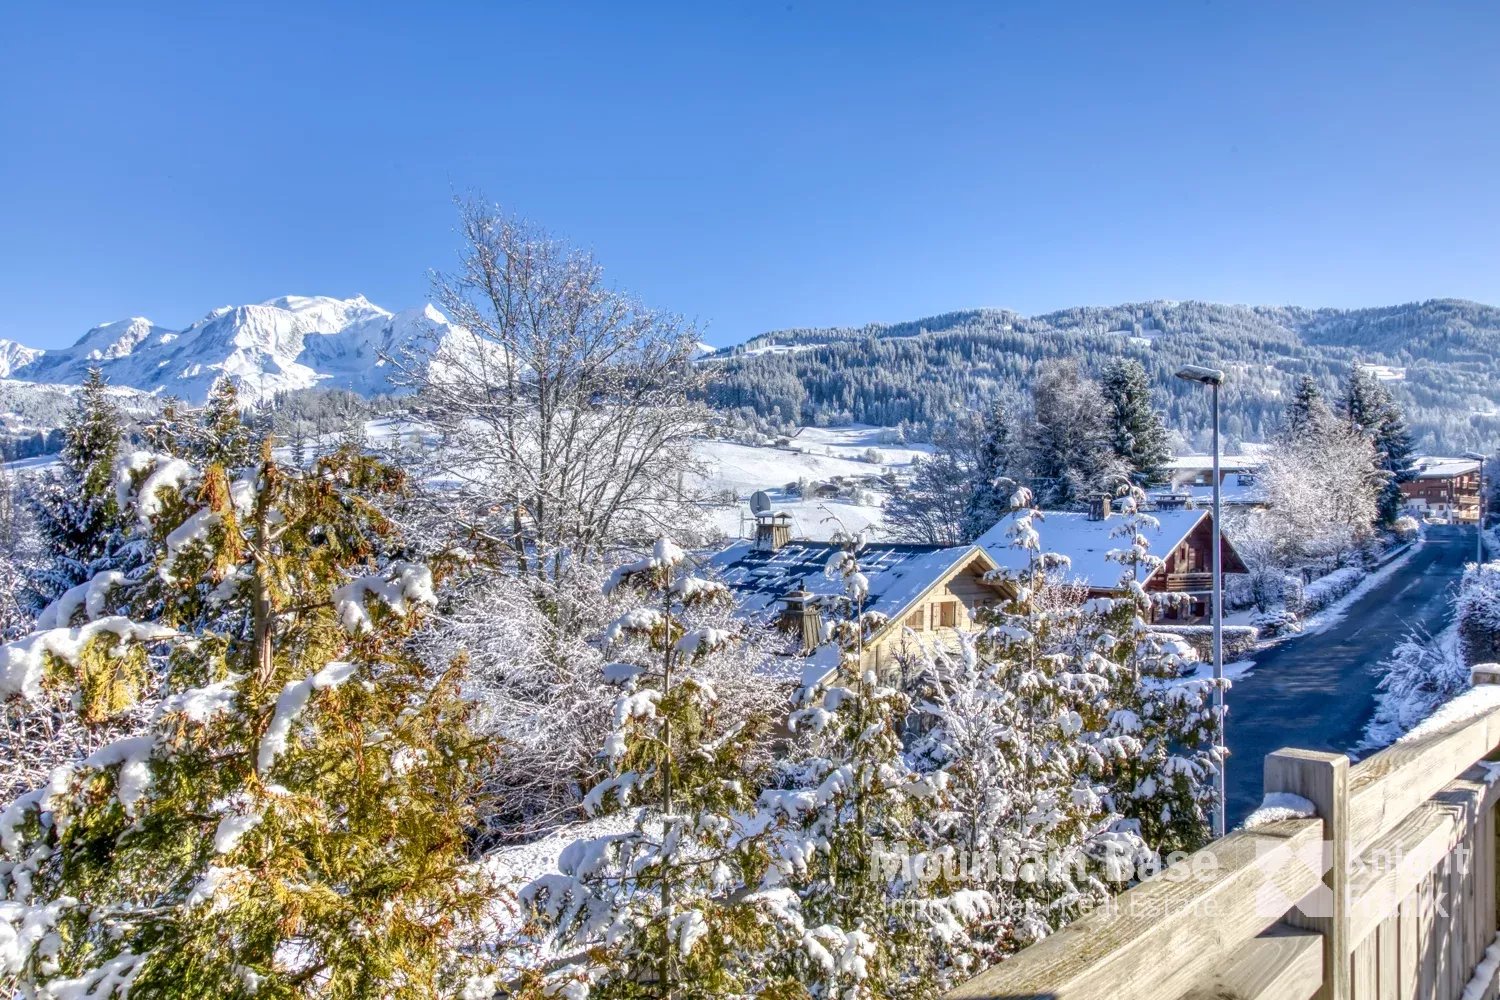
[(804, 616), (772, 531)]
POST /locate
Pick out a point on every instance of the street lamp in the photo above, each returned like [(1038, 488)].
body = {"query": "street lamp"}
[(1474, 456), (1214, 378)]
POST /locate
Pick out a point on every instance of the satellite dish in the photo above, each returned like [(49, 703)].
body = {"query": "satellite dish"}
[(760, 502)]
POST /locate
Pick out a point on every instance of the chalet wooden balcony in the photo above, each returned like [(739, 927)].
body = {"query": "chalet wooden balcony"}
[(1190, 581)]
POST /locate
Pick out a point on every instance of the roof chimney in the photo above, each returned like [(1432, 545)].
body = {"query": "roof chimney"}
[(804, 615), (772, 531)]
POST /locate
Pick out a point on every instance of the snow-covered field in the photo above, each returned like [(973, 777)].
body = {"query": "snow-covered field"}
[(815, 455), (853, 441)]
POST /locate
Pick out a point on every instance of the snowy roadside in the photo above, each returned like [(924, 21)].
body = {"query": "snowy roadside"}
[(1399, 712), (1322, 621), (1205, 672), (1319, 622)]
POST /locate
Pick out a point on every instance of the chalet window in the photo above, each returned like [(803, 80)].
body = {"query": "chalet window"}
[(949, 612), (914, 620)]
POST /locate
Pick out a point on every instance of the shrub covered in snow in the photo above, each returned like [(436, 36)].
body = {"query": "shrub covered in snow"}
[(1276, 621), (1420, 674), (1329, 588), (1479, 613)]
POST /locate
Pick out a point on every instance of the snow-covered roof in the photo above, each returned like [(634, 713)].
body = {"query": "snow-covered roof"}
[(1232, 491), (898, 574), (1227, 463), (1087, 543), (1437, 467)]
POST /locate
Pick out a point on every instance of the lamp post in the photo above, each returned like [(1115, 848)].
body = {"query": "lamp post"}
[(1474, 456), (1213, 378)]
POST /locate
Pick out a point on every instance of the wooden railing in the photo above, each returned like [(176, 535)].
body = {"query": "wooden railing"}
[(1190, 581), (1392, 886)]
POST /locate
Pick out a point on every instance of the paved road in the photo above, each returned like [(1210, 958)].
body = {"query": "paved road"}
[(1317, 691)]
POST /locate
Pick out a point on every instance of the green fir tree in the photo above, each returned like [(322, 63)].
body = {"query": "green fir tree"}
[(1139, 438), (292, 823)]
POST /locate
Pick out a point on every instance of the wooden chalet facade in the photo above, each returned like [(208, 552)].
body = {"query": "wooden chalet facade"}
[(1182, 586), (1443, 489), (925, 592)]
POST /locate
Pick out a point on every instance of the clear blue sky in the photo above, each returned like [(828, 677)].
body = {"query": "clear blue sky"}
[(751, 165)]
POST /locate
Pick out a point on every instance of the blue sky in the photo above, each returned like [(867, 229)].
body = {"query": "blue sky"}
[(750, 165)]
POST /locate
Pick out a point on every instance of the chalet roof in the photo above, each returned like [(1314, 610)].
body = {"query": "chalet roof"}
[(898, 574), (1436, 467), (1227, 463), (1231, 492), (1088, 543)]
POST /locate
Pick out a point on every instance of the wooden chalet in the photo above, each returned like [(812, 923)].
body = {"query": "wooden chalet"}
[(1443, 489), (925, 592), (1183, 539)]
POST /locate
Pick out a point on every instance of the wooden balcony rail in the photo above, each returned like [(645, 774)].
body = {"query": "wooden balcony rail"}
[(1395, 881), (1190, 581)]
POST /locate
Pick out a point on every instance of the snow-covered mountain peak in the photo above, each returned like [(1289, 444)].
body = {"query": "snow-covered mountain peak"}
[(291, 342), (116, 339), (14, 356)]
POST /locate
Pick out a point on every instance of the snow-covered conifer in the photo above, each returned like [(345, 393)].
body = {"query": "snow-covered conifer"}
[(74, 506), (1021, 718), (1164, 720), (1370, 408), (1069, 439), (996, 473), (291, 823), (860, 917), (168, 432), (223, 437), (657, 908), (1138, 435), (1306, 410)]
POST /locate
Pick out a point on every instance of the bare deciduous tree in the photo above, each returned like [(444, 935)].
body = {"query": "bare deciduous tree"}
[(564, 409)]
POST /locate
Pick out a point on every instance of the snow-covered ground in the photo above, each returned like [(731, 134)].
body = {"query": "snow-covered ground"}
[(745, 469), (853, 441), (816, 455)]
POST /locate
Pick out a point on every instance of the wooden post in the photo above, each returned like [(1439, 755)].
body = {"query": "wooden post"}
[(1323, 779)]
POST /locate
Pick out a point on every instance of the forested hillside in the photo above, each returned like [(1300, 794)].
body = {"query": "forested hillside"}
[(1444, 357)]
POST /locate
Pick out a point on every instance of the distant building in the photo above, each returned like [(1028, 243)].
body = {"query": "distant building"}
[(924, 591), (1198, 470), (1444, 489), (1190, 482), (1183, 541)]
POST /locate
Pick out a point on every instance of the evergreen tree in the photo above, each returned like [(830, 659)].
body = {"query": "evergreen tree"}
[(1139, 438), (1306, 409), (1370, 408), (995, 475), (1069, 441), (223, 437), (1157, 741), (74, 507), (659, 897), (857, 925), (169, 432), (292, 822), (1364, 400)]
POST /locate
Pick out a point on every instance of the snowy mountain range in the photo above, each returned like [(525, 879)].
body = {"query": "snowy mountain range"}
[(294, 342)]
